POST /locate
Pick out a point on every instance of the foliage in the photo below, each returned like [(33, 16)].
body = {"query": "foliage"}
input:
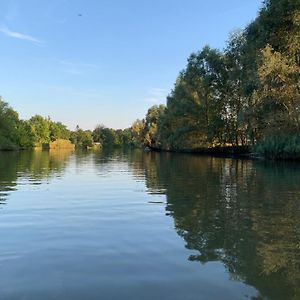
[(8, 127), (61, 144), (280, 146), (149, 130), (25, 134), (137, 130), (246, 95), (40, 128), (82, 138), (129, 137), (58, 131), (107, 137)]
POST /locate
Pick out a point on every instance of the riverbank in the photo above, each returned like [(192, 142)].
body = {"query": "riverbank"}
[(247, 152)]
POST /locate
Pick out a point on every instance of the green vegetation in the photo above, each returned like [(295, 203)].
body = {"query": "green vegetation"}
[(25, 134), (245, 96), (60, 144), (40, 132), (9, 121)]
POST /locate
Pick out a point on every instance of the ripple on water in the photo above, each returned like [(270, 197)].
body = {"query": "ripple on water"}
[(134, 225)]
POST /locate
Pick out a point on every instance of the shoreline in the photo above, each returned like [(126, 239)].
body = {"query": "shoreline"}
[(237, 152)]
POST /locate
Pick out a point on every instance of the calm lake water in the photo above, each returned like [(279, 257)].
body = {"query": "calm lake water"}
[(134, 225)]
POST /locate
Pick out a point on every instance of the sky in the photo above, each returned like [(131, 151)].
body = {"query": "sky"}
[(90, 62)]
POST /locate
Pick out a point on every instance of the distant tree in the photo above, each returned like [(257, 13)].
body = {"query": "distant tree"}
[(137, 131), (82, 138), (40, 128), (58, 131), (9, 121), (97, 134), (26, 137), (149, 131)]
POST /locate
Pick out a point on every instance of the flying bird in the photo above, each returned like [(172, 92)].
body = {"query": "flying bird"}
[(79, 15)]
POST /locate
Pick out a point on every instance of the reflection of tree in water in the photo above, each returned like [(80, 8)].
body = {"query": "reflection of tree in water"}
[(277, 224), (108, 160), (32, 166), (245, 214)]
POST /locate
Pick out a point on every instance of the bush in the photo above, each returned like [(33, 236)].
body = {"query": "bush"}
[(60, 144), (280, 147), (6, 144)]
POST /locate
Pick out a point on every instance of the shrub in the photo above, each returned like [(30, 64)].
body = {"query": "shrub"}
[(280, 146)]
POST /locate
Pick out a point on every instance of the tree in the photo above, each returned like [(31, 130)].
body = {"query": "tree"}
[(40, 128), (58, 131), (9, 121), (82, 138), (149, 131), (137, 131)]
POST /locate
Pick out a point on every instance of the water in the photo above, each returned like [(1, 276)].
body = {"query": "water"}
[(134, 225)]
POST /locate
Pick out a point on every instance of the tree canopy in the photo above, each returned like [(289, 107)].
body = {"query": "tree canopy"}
[(246, 95)]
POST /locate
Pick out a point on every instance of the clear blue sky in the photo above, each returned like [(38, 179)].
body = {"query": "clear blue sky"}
[(110, 64)]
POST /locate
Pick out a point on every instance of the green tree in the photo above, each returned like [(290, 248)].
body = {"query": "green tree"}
[(149, 131), (40, 128), (9, 121), (82, 138), (58, 131), (137, 131)]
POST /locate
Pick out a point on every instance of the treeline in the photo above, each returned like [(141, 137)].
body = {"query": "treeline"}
[(246, 95), (39, 131), (25, 134)]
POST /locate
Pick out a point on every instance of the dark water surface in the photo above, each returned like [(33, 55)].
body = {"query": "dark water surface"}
[(133, 225)]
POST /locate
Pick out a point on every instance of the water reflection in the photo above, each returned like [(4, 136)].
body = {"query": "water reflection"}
[(30, 166), (245, 214), (242, 213)]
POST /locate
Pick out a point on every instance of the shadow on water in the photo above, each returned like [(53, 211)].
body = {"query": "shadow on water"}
[(242, 213), (31, 166)]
